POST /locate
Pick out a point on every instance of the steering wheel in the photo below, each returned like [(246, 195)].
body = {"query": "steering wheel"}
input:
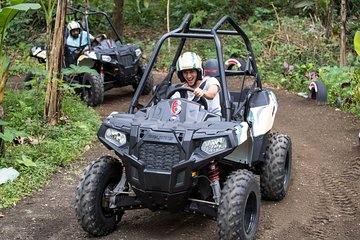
[(200, 100), (80, 50)]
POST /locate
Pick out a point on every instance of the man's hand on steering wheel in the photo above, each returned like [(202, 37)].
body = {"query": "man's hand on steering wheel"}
[(197, 99), (199, 92)]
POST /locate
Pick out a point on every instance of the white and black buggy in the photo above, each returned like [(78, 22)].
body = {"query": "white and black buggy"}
[(174, 155), (116, 64)]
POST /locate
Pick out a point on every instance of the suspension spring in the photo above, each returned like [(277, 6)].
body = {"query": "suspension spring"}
[(213, 171)]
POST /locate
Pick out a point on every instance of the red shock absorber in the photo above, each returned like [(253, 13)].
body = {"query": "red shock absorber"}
[(212, 170), (101, 71)]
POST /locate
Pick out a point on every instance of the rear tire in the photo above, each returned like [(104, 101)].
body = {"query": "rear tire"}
[(239, 209), (28, 77), (317, 90), (276, 170), (94, 95), (149, 84), (99, 177)]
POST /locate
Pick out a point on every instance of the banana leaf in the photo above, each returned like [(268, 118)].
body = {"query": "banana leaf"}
[(357, 42)]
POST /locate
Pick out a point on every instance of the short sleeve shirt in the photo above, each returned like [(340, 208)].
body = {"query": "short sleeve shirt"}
[(214, 104)]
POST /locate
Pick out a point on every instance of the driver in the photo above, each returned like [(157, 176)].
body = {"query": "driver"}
[(78, 38), (190, 72)]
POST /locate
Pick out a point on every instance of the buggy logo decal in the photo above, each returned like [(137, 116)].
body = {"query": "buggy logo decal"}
[(175, 107)]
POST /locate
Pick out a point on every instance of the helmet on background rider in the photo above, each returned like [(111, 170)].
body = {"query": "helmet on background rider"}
[(188, 61), (73, 25)]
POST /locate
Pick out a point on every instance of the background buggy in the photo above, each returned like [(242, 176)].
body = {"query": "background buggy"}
[(116, 63)]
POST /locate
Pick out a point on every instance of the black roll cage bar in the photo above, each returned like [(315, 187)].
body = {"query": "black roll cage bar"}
[(87, 12), (183, 32)]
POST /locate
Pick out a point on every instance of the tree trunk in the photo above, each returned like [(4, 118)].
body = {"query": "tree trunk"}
[(49, 44), (329, 19), (343, 34), (168, 22), (118, 13), (53, 101), (316, 10)]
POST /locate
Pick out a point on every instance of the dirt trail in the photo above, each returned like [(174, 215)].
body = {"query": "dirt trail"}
[(322, 202)]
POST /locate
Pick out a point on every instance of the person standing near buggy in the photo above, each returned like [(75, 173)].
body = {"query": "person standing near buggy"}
[(190, 72)]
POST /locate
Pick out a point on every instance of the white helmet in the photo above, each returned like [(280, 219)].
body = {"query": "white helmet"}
[(187, 61), (73, 25)]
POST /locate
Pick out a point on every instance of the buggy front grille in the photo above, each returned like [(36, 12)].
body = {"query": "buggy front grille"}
[(159, 156), (125, 60)]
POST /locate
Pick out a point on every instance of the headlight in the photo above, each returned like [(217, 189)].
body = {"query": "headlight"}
[(214, 145), (115, 137), (138, 52), (106, 58)]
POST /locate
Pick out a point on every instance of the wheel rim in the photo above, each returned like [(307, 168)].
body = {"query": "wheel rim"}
[(87, 94), (287, 168), (105, 201), (251, 211)]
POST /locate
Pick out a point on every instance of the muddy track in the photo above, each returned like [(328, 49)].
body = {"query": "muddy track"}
[(322, 203)]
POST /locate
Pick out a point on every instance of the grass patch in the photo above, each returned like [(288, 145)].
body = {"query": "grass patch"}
[(46, 148)]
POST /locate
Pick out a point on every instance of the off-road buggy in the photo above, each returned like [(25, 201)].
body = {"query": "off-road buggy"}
[(177, 156), (116, 63)]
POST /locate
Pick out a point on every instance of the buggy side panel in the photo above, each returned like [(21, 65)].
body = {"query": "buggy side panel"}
[(263, 107)]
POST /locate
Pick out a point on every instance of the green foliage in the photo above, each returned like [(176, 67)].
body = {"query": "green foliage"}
[(10, 134), (72, 72), (203, 11), (145, 16), (46, 148), (75, 70), (20, 30), (343, 87), (7, 14)]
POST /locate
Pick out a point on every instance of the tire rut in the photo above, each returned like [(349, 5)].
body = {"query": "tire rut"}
[(344, 197), (339, 199), (319, 227)]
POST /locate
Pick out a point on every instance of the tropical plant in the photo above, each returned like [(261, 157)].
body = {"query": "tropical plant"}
[(7, 14)]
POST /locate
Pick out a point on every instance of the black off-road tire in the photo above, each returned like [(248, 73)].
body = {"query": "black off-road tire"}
[(239, 209), (320, 95), (149, 83), (276, 170), (28, 77), (94, 95), (99, 177)]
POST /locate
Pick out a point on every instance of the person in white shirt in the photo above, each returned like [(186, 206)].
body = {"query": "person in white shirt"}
[(190, 72)]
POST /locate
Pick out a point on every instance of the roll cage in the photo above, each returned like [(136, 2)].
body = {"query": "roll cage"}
[(85, 13), (184, 32)]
